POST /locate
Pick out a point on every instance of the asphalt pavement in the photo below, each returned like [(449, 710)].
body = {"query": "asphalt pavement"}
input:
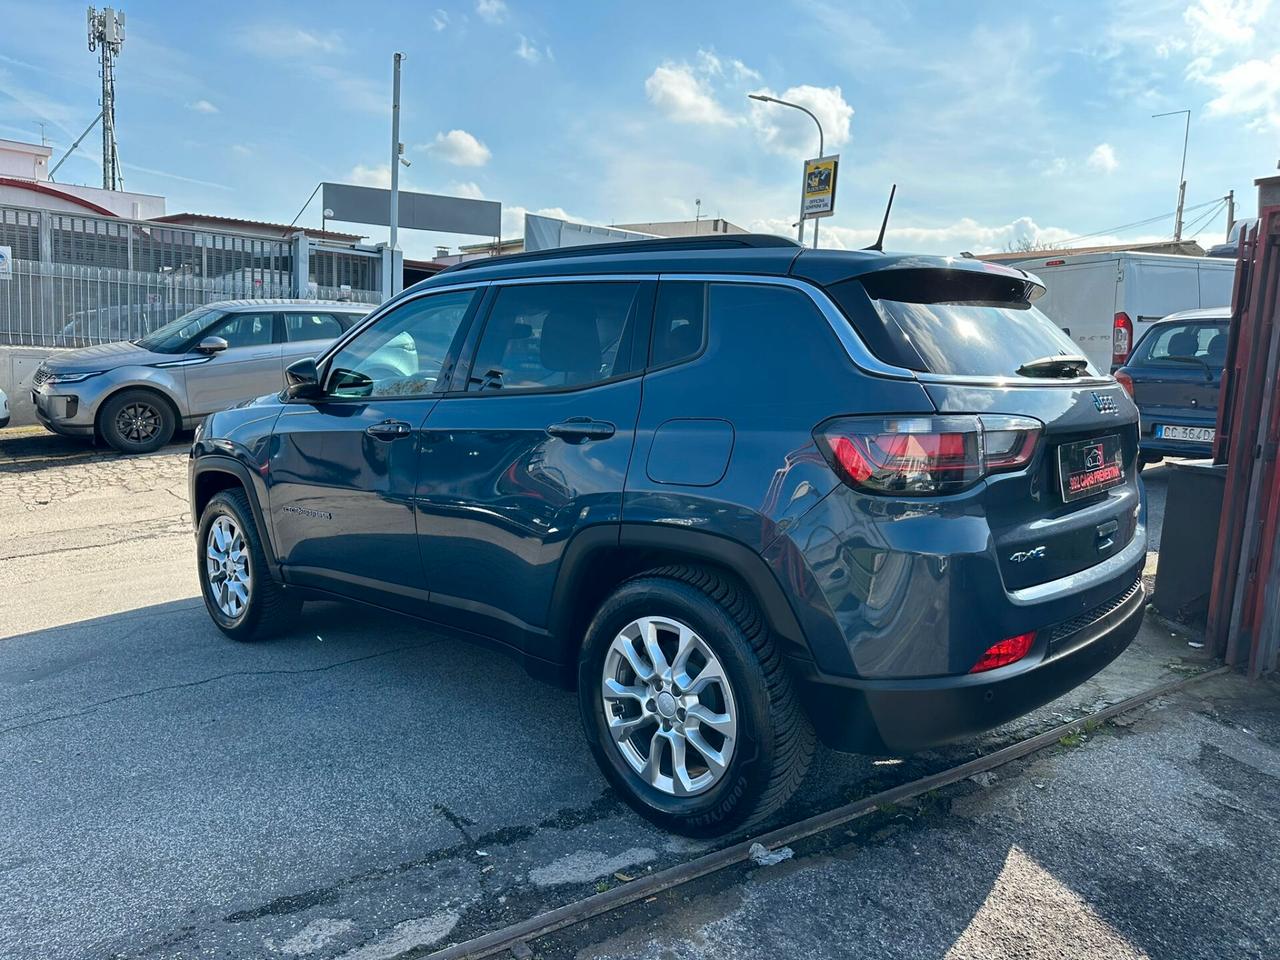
[(361, 788)]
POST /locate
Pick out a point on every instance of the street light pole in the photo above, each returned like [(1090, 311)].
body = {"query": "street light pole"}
[(1182, 174), (395, 149), (787, 103)]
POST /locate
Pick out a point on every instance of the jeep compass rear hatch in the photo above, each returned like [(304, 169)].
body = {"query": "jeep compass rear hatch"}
[(982, 350)]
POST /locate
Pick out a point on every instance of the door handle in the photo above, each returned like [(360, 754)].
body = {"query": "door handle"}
[(582, 429), (389, 430)]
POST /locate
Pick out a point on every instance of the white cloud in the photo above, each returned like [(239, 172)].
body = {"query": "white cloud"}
[(965, 234), (459, 148), (1218, 24), (680, 94), (1103, 159), (742, 73), (493, 11), (788, 131), (709, 63), (370, 176), (202, 106), (279, 41), (1055, 167), (528, 51), (513, 217), (468, 189), (439, 20), (240, 150), (1249, 89)]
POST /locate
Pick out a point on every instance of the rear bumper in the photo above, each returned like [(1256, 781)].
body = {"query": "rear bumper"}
[(904, 716)]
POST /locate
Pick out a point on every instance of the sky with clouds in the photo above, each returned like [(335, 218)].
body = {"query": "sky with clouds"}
[(999, 123)]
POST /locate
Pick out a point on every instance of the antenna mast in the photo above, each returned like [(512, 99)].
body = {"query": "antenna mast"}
[(106, 37)]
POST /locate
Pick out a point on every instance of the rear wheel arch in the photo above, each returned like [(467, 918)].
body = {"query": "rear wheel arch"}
[(599, 559)]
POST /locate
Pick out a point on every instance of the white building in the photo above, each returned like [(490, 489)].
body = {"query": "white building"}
[(24, 182)]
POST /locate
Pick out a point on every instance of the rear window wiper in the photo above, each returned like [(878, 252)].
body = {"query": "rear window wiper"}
[(1208, 370), (1064, 365)]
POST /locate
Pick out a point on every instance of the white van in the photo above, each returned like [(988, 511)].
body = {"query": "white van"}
[(1106, 301)]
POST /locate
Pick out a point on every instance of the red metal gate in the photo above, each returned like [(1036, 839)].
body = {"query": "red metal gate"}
[(1244, 602)]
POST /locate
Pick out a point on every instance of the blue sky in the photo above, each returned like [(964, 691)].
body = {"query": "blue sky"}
[(997, 121)]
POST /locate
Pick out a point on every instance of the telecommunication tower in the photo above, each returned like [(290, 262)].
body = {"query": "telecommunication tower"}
[(106, 37)]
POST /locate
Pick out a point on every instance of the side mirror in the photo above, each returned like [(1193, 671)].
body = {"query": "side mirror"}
[(302, 380), (211, 345)]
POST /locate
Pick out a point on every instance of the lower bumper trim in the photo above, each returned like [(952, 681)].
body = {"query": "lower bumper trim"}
[(894, 717)]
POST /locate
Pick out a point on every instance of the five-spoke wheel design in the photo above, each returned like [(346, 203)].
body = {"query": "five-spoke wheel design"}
[(138, 421), (227, 566), (669, 706)]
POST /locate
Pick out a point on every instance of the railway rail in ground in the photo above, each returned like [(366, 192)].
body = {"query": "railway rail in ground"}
[(518, 937)]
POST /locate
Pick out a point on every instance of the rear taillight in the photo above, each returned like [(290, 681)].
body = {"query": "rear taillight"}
[(1125, 381), (1005, 652), (1121, 339), (923, 456)]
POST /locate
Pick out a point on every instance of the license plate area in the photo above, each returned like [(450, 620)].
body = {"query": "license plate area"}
[(1169, 431), (1088, 467)]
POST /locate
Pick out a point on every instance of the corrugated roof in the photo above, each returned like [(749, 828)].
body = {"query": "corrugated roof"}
[(284, 228)]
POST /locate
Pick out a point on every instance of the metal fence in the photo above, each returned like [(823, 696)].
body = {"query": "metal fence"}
[(77, 280)]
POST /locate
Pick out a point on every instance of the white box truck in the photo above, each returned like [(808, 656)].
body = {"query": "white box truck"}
[(1106, 301)]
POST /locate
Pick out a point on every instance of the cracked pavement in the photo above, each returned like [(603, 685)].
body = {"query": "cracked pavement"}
[(361, 788)]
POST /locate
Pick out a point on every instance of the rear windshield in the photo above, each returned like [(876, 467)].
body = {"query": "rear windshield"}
[(953, 323), (977, 340)]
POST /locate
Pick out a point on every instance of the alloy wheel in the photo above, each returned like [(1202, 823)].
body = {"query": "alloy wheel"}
[(138, 421), (227, 566), (669, 706)]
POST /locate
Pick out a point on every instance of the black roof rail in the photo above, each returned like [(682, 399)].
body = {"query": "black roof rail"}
[(657, 245)]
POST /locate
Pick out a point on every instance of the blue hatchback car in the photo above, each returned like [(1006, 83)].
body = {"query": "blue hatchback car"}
[(736, 492), (1173, 375)]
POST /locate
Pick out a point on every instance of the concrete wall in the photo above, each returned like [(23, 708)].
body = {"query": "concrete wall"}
[(17, 364)]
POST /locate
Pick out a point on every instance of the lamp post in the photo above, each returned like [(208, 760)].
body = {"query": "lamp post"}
[(787, 103), (1182, 174), (395, 150)]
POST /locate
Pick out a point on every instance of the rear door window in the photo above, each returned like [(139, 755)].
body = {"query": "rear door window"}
[(312, 326), (952, 323)]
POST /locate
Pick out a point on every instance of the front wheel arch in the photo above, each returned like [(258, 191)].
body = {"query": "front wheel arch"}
[(156, 392)]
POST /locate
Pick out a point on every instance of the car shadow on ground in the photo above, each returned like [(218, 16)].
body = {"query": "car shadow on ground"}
[(28, 451)]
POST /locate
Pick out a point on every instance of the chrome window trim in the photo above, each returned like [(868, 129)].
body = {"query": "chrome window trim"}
[(856, 350)]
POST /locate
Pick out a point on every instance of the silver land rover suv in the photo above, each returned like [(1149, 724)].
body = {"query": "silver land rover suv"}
[(135, 394)]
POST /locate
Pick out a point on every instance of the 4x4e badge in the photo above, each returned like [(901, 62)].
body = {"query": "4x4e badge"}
[(1022, 556)]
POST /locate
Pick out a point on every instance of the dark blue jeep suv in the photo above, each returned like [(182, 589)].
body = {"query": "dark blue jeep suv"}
[(734, 491)]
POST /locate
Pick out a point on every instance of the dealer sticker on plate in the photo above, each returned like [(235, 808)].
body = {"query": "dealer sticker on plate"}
[(1087, 467)]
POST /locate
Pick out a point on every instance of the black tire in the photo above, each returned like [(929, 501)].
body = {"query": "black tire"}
[(774, 742), (271, 608), (137, 421)]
